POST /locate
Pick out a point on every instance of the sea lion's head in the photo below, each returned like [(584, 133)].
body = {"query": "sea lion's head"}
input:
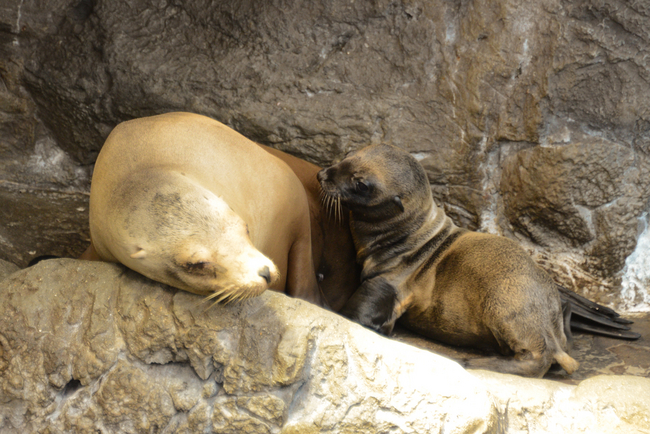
[(182, 234), (377, 182)]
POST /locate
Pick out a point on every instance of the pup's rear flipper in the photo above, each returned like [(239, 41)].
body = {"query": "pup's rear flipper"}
[(566, 361), (595, 318), (528, 367)]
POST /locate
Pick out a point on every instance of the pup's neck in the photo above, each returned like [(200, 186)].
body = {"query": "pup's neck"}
[(381, 244)]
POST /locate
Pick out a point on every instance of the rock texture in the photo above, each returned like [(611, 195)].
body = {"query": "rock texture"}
[(38, 221), (94, 347), (532, 118), (7, 268), (603, 404)]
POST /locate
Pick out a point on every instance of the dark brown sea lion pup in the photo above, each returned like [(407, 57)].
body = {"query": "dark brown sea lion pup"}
[(450, 284), (187, 201)]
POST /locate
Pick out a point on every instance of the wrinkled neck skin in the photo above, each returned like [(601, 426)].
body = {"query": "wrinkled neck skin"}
[(382, 240)]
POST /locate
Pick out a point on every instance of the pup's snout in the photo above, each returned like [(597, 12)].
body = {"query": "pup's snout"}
[(322, 175)]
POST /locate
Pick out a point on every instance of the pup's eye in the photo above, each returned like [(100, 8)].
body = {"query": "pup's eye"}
[(361, 187)]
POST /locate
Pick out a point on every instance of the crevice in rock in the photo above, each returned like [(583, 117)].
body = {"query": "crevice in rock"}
[(70, 388)]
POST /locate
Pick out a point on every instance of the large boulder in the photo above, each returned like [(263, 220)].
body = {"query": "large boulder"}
[(531, 118), (95, 347)]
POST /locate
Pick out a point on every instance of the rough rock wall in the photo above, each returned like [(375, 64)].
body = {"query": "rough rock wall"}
[(531, 118)]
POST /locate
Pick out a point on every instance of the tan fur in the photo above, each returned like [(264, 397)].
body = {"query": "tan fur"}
[(187, 201), (332, 246), (453, 285)]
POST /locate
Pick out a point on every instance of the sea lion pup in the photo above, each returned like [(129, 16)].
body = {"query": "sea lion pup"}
[(189, 202), (333, 250), (339, 275), (447, 283)]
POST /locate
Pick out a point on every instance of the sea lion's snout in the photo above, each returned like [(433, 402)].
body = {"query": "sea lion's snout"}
[(321, 175), (255, 269), (324, 176), (330, 180), (328, 183), (265, 273)]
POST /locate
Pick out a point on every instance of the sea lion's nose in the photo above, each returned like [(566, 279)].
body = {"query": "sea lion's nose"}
[(265, 272)]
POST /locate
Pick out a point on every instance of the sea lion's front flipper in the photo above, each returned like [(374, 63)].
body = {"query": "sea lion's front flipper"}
[(372, 305)]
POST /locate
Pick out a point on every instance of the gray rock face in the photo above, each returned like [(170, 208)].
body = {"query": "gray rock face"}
[(531, 118), (40, 221), (7, 268), (94, 347)]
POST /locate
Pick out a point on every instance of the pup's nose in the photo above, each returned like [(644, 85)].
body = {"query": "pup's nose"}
[(322, 175), (265, 273)]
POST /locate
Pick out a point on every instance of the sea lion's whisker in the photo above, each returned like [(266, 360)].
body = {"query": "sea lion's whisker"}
[(205, 301), (330, 201), (226, 298), (331, 205), (339, 213), (321, 197), (338, 205), (335, 210), (211, 296), (327, 205), (207, 298)]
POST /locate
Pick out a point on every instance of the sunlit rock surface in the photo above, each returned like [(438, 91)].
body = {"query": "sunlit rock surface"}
[(94, 347), (89, 347)]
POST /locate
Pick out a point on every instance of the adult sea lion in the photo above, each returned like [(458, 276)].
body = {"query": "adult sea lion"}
[(450, 284), (187, 201)]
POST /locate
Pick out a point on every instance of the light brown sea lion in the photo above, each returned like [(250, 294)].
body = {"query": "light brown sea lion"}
[(333, 250), (450, 284), (187, 201)]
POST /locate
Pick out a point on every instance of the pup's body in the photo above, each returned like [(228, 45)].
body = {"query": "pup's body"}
[(453, 285)]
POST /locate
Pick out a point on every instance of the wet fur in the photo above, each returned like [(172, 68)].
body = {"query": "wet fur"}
[(450, 284)]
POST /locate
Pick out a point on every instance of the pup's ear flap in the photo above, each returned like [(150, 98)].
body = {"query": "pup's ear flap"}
[(398, 202)]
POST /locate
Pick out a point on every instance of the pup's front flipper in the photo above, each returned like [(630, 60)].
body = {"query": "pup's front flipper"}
[(372, 305)]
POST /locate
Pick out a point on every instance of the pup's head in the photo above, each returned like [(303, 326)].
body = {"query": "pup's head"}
[(378, 182)]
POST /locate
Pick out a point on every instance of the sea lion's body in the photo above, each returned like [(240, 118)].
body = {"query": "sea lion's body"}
[(450, 284), (176, 190), (333, 250)]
